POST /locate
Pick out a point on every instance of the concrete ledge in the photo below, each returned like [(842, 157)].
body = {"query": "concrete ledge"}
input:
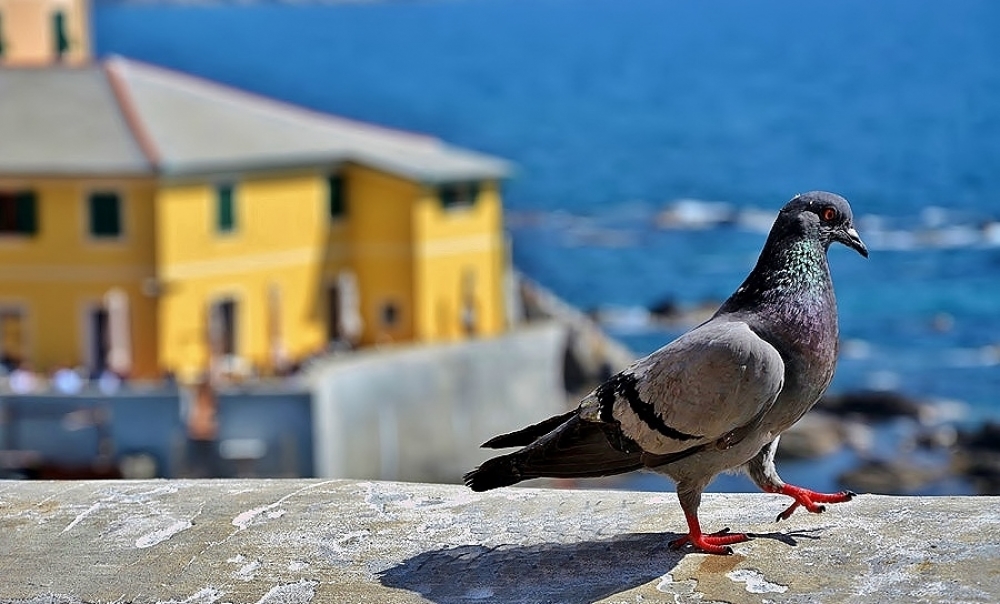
[(292, 541)]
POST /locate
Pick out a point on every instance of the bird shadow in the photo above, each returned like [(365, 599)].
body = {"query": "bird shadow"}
[(789, 538), (571, 573)]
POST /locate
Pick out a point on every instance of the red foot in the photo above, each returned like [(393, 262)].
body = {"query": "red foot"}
[(716, 543), (810, 500)]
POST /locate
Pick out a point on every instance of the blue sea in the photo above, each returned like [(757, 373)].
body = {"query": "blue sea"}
[(656, 140)]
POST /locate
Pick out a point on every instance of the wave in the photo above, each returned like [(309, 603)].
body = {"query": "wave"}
[(949, 237), (983, 356), (938, 228), (695, 214), (618, 225), (664, 316)]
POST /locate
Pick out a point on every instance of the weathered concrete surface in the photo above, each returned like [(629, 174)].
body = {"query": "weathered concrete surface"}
[(419, 413), (292, 541)]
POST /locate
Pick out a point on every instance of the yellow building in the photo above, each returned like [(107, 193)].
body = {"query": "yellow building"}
[(153, 221), (41, 32)]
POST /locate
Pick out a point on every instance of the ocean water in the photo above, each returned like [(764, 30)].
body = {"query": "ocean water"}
[(656, 140)]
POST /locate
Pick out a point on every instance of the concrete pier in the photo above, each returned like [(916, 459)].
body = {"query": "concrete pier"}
[(299, 541)]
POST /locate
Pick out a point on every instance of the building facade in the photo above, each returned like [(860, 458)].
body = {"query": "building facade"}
[(152, 221)]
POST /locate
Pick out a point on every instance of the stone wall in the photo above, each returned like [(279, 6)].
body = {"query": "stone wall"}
[(420, 413), (73, 432), (300, 541)]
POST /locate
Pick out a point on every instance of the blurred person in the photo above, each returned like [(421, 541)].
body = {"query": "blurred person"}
[(67, 381), (108, 382), (203, 431), (23, 380)]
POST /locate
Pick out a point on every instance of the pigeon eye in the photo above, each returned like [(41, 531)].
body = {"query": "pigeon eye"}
[(828, 214)]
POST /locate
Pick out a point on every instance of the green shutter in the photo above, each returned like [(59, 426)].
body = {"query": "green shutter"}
[(458, 194), (337, 198), (61, 39), (26, 213), (449, 196), (105, 215), (225, 210)]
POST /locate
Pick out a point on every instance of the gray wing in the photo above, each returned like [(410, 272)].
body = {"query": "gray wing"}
[(698, 389)]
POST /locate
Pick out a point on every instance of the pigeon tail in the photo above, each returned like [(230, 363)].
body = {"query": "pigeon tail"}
[(494, 473), (526, 436), (576, 448)]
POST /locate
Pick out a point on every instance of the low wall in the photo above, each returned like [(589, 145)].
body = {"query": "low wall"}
[(300, 541), (276, 420), (406, 413), (420, 413)]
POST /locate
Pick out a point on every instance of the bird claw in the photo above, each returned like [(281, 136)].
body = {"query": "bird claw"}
[(715, 543), (811, 500)]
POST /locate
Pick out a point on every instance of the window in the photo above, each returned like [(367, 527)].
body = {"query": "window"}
[(11, 337), (105, 215), (225, 209), (222, 327), (100, 339), (18, 213), (390, 314), (227, 316), (333, 312), (459, 194), (337, 196), (469, 317)]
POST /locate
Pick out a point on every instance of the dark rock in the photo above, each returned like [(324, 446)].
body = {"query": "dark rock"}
[(981, 467), (977, 456), (666, 308), (873, 405), (985, 438), (575, 374), (939, 437)]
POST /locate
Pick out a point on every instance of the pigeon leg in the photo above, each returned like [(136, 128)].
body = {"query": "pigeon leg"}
[(714, 543), (762, 471), (810, 500)]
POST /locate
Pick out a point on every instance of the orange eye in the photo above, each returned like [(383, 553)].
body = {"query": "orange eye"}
[(828, 214)]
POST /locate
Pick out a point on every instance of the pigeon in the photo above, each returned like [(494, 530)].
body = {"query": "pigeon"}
[(717, 398)]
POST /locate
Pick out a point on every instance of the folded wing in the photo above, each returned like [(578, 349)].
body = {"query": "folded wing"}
[(703, 387)]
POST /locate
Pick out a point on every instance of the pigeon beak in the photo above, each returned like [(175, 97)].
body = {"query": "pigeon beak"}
[(851, 239)]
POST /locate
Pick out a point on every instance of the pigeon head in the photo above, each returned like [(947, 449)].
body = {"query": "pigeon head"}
[(822, 215), (793, 260)]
